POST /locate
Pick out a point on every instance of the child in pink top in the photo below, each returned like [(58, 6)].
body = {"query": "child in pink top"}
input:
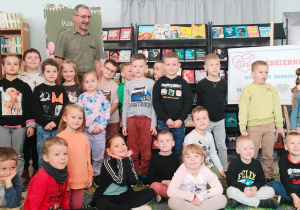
[(187, 189), (80, 168)]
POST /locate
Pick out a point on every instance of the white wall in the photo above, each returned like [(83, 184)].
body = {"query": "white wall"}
[(281, 6)]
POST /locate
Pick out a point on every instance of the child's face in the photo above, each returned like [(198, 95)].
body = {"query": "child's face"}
[(127, 73), (32, 61), (73, 119), (90, 83), (219, 51), (159, 70), (8, 168), (50, 73), (57, 156), (293, 145), (109, 71), (117, 147), (139, 68), (171, 66), (68, 72), (260, 74), (212, 67), (193, 161), (246, 150), (11, 65), (165, 143), (200, 120)]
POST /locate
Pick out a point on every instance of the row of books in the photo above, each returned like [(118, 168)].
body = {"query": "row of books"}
[(166, 31), (117, 34), (118, 55), (11, 45), (240, 31), (10, 20), (194, 76)]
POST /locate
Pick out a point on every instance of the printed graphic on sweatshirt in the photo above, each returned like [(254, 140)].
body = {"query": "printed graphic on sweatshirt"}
[(171, 91), (294, 174), (247, 178), (45, 96), (107, 94), (72, 96), (205, 146), (140, 97), (194, 184), (11, 101)]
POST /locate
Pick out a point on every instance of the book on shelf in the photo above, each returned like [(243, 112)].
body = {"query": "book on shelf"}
[(185, 33), (114, 55), (264, 31), (125, 34), (161, 31), (179, 71), (217, 32), (125, 56), (145, 52), (11, 45), (166, 51), (113, 34), (198, 31), (200, 54), (189, 122), (146, 32), (10, 20), (229, 32), (189, 76), (149, 73), (200, 75), (231, 119), (189, 54), (104, 35), (180, 54), (117, 78), (173, 32), (252, 31), (241, 31), (221, 53), (222, 74), (106, 53), (154, 54)]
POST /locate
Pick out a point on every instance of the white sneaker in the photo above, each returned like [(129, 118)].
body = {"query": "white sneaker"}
[(143, 207), (158, 198)]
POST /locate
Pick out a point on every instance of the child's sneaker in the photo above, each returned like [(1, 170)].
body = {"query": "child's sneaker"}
[(269, 203), (159, 198), (143, 207), (144, 180)]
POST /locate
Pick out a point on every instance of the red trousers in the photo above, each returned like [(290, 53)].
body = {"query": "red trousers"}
[(111, 129), (75, 198), (139, 141)]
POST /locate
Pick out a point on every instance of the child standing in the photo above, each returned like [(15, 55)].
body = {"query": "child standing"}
[(260, 112), (172, 101), (246, 179), (71, 82), (187, 189), (97, 111), (211, 94), (116, 178), (16, 117), (199, 135), (109, 88), (126, 73), (49, 100), (79, 165), (139, 119), (48, 188), (163, 165), (10, 182), (295, 115), (159, 69)]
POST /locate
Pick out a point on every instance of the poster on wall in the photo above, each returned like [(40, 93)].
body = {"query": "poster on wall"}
[(59, 18), (282, 60)]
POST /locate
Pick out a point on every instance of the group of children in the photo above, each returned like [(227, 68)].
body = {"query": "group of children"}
[(76, 125)]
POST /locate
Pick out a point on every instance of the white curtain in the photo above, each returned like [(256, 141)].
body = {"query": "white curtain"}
[(220, 12)]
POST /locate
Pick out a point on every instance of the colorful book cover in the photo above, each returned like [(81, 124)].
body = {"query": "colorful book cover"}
[(114, 55), (106, 53), (221, 53), (104, 35), (198, 31), (264, 31), (146, 32), (231, 119), (179, 72), (145, 52), (229, 32), (200, 54), (222, 74), (189, 54), (185, 33), (180, 53), (217, 32), (241, 31), (166, 51), (252, 31), (200, 75), (173, 32), (113, 34), (125, 55), (189, 76), (125, 34), (154, 54)]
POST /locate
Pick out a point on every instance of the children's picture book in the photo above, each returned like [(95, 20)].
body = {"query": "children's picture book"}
[(106, 53), (179, 72), (198, 31), (146, 32), (154, 54), (222, 74), (200, 75), (200, 54), (221, 53), (117, 78), (264, 31), (189, 54), (113, 34), (125, 55), (114, 55), (166, 51), (161, 31), (154, 143), (185, 33), (104, 35), (229, 32), (173, 32), (252, 31), (217, 32), (180, 54), (241, 31), (149, 73), (145, 52), (231, 119), (189, 76), (125, 34)]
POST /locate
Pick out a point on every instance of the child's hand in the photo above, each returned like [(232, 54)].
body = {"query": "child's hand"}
[(128, 153), (52, 124), (48, 127), (7, 179), (124, 131), (244, 132), (165, 182), (170, 123), (177, 123), (279, 131), (196, 201), (113, 156), (247, 192), (96, 130), (222, 173), (88, 184), (292, 130), (296, 200), (253, 190), (153, 130), (30, 131)]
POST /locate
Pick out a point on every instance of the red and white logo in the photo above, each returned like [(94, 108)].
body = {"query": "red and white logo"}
[(243, 62)]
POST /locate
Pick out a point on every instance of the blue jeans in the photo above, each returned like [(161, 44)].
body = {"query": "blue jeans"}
[(178, 134), (280, 190)]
